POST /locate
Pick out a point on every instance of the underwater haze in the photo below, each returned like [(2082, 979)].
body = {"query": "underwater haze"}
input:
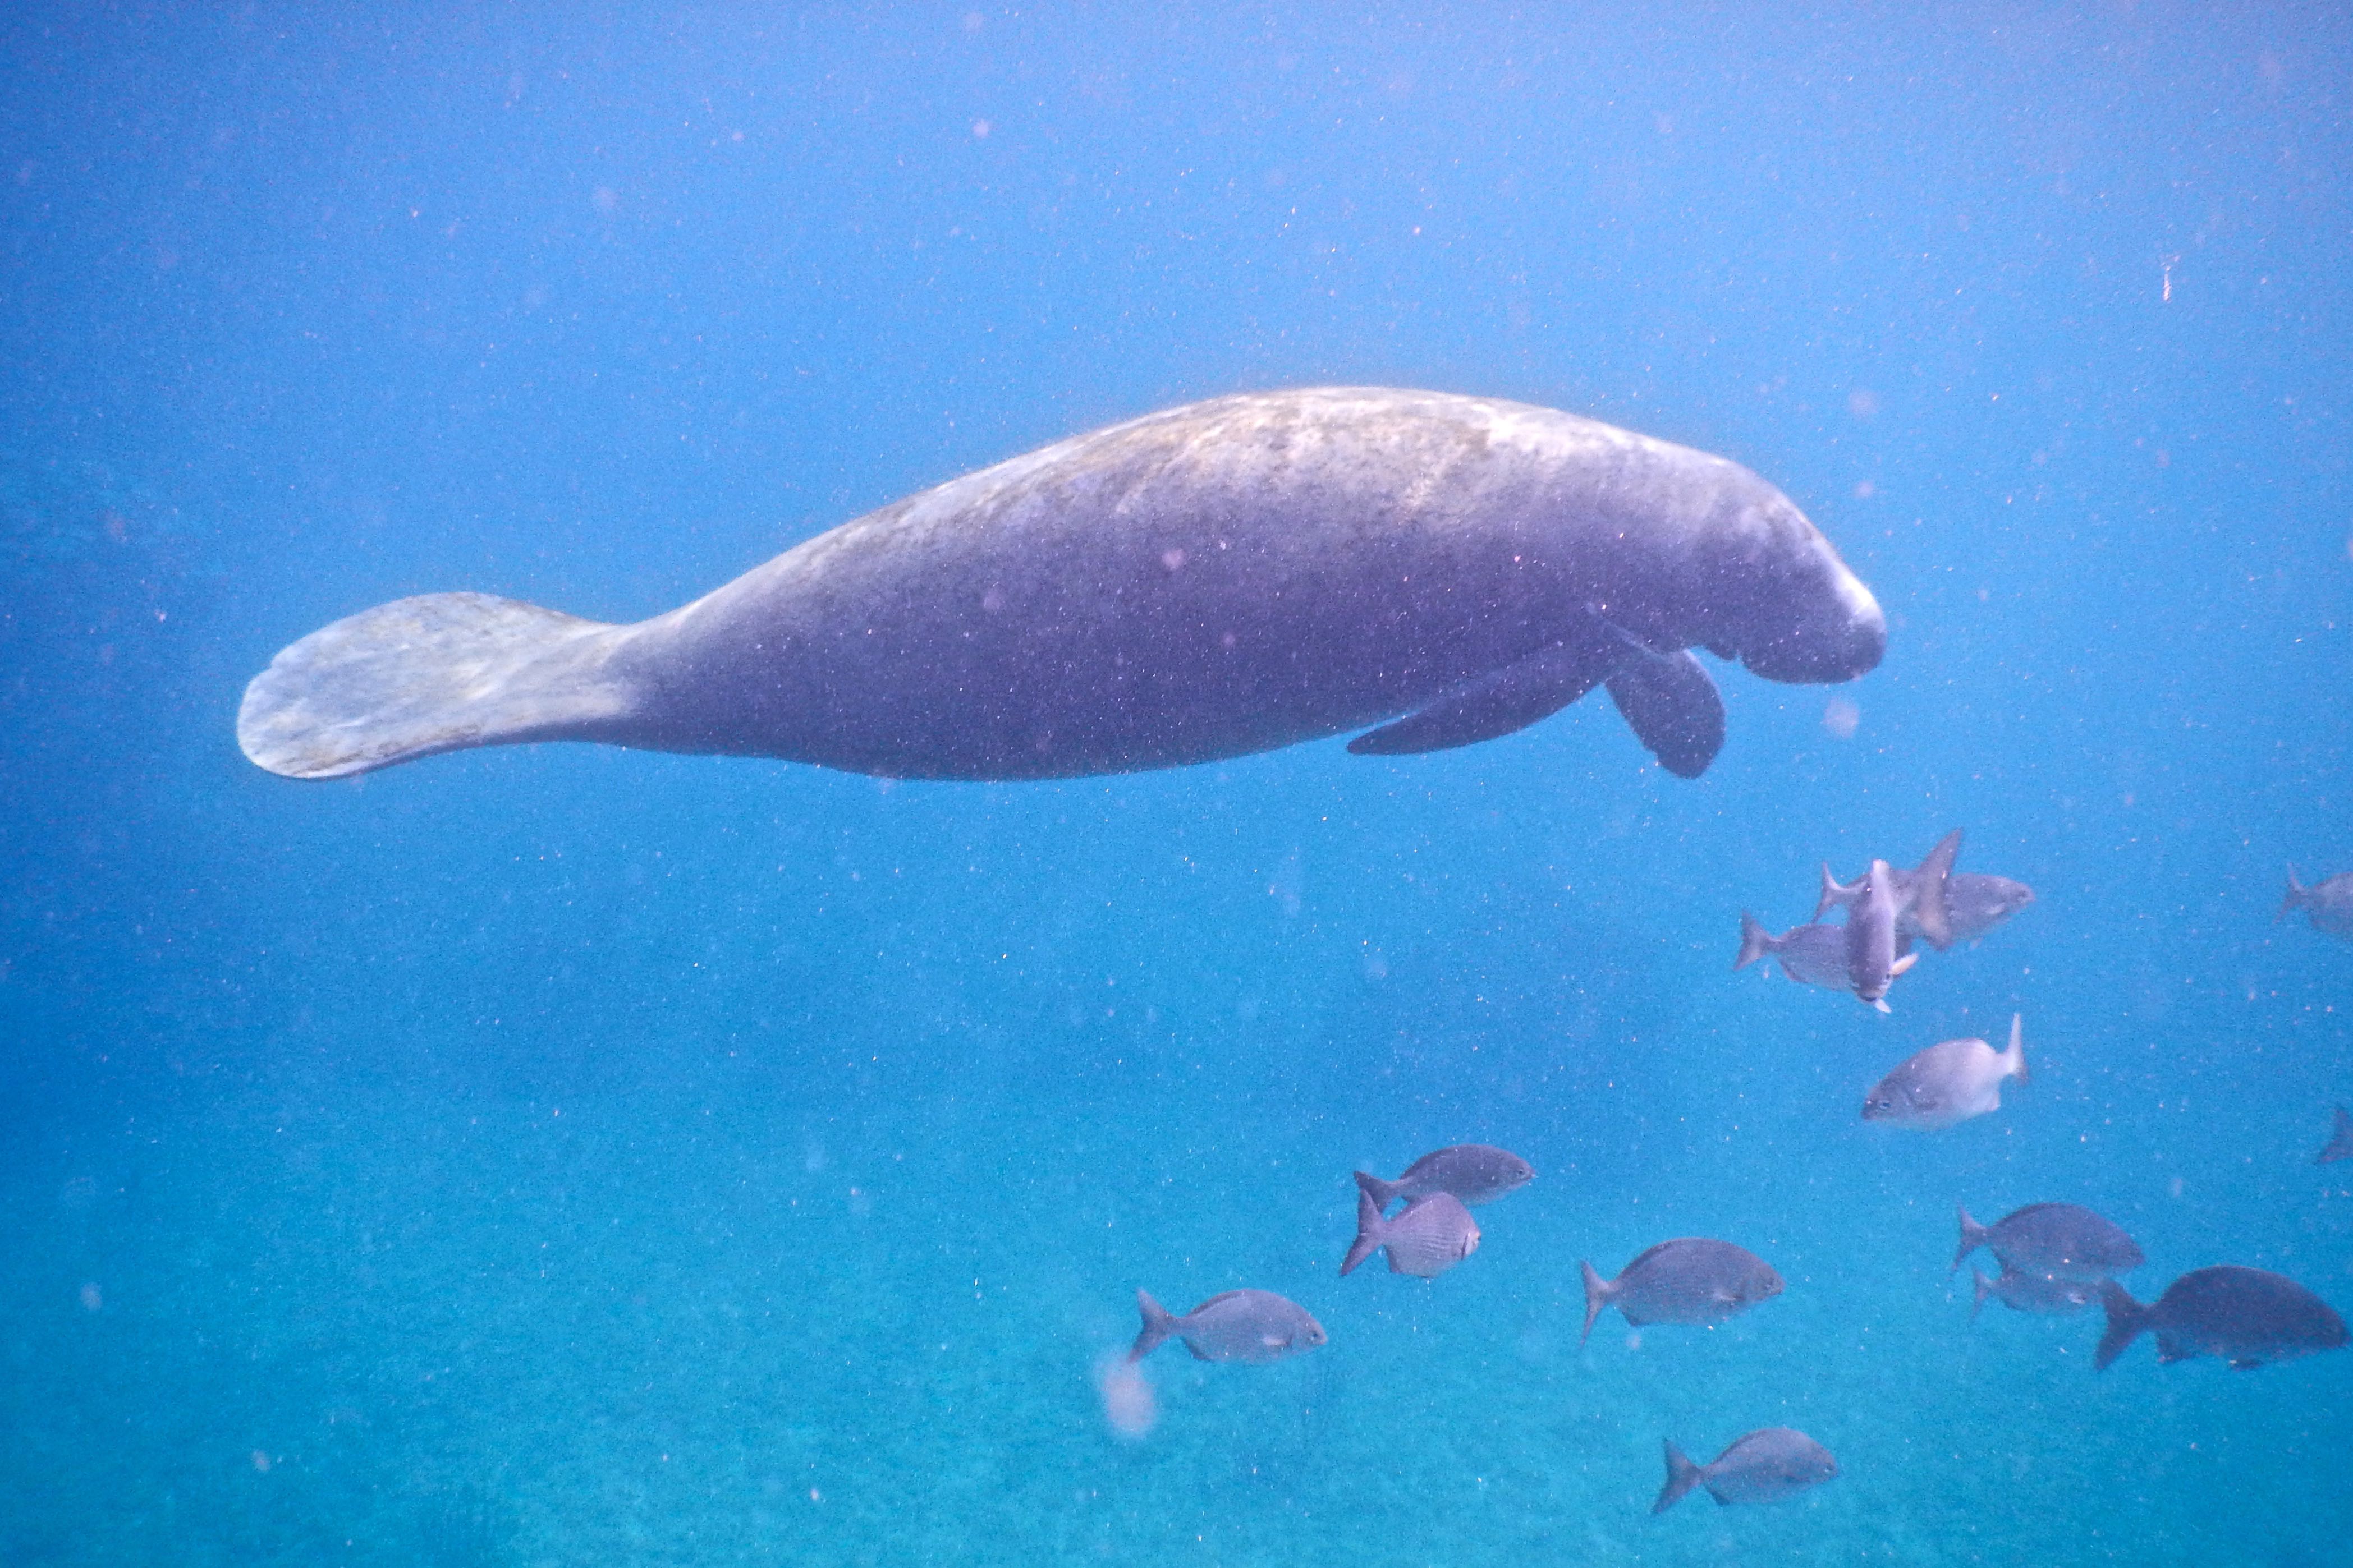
[(563, 1155)]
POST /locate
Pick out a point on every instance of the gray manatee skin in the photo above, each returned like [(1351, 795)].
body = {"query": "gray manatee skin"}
[(1216, 579)]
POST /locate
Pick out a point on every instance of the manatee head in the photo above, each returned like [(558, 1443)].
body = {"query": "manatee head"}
[(1779, 598)]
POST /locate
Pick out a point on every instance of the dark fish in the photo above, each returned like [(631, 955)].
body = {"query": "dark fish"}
[(2054, 1239), (1689, 1280), (2246, 1316), (1949, 1082), (2340, 1141), (1923, 895), (1809, 954), (1430, 1237), (2327, 903), (1233, 1325), (1975, 904), (1763, 1466), (1474, 1173), (1872, 961), (2034, 1292)]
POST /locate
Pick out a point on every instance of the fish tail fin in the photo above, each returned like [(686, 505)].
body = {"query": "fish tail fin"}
[(2341, 1139), (1368, 1233), (1383, 1194), (1682, 1476), (1929, 910), (1985, 1289), (2013, 1061), (1833, 895), (2127, 1320), (1973, 1236), (435, 673), (1597, 1295), (1756, 942), (2295, 899), (1159, 1323)]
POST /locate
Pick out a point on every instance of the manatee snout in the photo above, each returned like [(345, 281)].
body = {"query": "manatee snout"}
[(1842, 635), (1796, 613)]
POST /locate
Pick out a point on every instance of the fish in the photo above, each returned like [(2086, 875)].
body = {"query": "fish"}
[(2248, 1317), (1474, 1173), (1232, 1325), (1691, 1280), (2054, 1239), (1765, 1466), (1431, 1237), (1975, 903), (2034, 1292), (1949, 1082), (1872, 961), (2327, 903), (1972, 904), (2340, 1141), (1809, 954)]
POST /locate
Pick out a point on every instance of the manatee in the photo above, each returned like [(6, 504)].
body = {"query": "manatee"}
[(1222, 578)]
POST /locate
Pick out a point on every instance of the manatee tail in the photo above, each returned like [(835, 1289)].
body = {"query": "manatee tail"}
[(1682, 1476), (2127, 1320), (1369, 1231), (1973, 1236), (1597, 1295), (1756, 942), (2340, 1141), (437, 673), (2294, 900), (1383, 1194), (1159, 1324), (2013, 1061), (1930, 913)]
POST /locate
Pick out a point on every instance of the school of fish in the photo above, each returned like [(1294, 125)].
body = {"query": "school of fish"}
[(2053, 1257)]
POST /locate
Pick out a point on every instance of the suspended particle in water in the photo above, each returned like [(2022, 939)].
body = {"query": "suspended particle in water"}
[(1842, 717), (1130, 1407)]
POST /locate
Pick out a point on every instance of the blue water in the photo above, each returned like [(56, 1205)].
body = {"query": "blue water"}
[(565, 1155)]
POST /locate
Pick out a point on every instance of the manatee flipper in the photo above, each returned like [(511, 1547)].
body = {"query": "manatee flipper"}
[(1501, 701), (435, 673), (1671, 704)]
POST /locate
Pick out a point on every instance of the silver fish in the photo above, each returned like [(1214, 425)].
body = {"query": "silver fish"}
[(1975, 903), (1809, 954), (1233, 1325), (1949, 1082), (2327, 903), (2340, 1141), (1872, 961), (1689, 1280), (2054, 1239), (1762, 1466), (1430, 1237), (2246, 1316), (1474, 1173), (1969, 904), (2034, 1292)]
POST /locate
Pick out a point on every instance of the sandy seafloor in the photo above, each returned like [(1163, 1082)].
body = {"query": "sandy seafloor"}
[(569, 1157)]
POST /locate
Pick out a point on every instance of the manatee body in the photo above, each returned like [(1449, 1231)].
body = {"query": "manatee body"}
[(1216, 579)]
